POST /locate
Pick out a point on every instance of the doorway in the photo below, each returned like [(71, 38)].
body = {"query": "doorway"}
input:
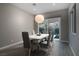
[(55, 28)]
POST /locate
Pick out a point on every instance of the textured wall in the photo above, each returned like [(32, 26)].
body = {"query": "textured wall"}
[(12, 22)]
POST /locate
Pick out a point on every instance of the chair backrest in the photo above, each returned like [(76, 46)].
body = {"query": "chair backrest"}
[(49, 38), (26, 40), (50, 34)]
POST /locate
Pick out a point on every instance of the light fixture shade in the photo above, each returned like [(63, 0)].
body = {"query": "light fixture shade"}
[(39, 18)]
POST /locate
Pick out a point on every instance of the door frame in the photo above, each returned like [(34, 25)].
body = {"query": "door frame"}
[(50, 21)]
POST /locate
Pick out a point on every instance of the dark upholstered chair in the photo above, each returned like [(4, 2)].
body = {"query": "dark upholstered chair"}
[(49, 38), (29, 45), (26, 42)]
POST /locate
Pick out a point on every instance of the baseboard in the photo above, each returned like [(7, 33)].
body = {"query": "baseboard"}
[(72, 51), (64, 41), (8, 46)]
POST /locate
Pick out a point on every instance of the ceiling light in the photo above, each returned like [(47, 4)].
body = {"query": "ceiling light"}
[(39, 18), (53, 4), (34, 4), (34, 9)]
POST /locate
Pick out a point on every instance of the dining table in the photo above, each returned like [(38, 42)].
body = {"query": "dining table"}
[(38, 39)]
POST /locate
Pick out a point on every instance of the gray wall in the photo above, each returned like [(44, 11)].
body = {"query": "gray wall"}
[(64, 22), (13, 21), (74, 38)]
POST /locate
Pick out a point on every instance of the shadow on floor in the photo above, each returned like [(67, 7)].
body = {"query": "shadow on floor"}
[(57, 49)]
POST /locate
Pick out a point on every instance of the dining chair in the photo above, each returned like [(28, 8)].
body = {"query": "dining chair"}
[(49, 39), (29, 45), (46, 41), (26, 42)]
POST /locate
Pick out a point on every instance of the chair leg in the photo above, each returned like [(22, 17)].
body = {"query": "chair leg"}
[(29, 51)]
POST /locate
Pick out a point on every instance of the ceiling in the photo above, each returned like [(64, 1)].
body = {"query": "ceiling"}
[(39, 8)]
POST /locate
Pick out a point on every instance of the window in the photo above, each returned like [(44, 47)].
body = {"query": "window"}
[(73, 19)]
